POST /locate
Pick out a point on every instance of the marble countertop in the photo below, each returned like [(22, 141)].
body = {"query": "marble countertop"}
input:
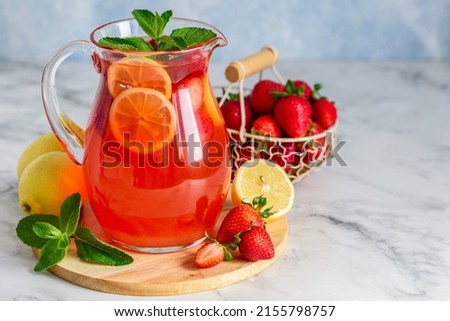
[(375, 229)]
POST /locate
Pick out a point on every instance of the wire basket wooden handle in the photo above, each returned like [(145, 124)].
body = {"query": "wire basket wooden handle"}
[(238, 70)]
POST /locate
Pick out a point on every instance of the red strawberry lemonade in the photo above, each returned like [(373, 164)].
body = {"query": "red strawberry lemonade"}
[(156, 155)]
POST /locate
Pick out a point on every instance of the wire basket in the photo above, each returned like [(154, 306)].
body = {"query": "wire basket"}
[(298, 156)]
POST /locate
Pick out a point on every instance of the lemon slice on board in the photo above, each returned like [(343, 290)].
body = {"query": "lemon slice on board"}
[(261, 177)]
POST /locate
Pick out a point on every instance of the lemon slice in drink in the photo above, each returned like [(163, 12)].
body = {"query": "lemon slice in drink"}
[(261, 177)]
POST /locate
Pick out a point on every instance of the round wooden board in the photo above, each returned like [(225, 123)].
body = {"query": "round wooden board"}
[(163, 274)]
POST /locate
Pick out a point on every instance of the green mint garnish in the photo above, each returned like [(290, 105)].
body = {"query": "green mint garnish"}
[(46, 230), (153, 24), (192, 36), (51, 234), (26, 233), (52, 253), (70, 214), (90, 249), (130, 43)]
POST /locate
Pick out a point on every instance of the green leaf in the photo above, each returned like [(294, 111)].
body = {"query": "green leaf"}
[(147, 21), (70, 214), (46, 230), (153, 24), (163, 20), (228, 255), (52, 253), (193, 36), (26, 233), (130, 43), (91, 249), (166, 43)]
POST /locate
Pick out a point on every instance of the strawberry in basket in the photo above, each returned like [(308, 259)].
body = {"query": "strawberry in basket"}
[(286, 116)]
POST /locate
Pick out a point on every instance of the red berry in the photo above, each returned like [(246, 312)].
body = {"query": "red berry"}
[(313, 150), (293, 114), (307, 91), (209, 254), (314, 129), (256, 244), (205, 125), (283, 155), (238, 219), (262, 100), (190, 92), (324, 113), (231, 112), (266, 125)]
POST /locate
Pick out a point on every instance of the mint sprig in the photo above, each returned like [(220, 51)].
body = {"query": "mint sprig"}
[(130, 43), (52, 235), (153, 24)]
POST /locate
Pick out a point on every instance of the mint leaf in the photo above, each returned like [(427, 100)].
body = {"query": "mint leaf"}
[(169, 43), (163, 20), (153, 24), (26, 233), (193, 36), (46, 230), (130, 43), (52, 253), (91, 249), (70, 214)]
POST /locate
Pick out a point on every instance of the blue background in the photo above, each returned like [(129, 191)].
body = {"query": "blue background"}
[(299, 29)]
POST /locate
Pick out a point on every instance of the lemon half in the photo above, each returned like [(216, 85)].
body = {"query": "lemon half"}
[(261, 177)]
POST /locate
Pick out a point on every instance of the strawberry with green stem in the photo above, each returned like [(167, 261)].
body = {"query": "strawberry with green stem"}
[(256, 244), (211, 254), (241, 217)]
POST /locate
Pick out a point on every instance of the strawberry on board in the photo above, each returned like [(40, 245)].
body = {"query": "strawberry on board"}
[(266, 125), (262, 100), (241, 217), (231, 112), (293, 113), (324, 112), (256, 244), (209, 254)]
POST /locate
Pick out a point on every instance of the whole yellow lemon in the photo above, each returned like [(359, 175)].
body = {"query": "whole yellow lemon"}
[(41, 145), (47, 181)]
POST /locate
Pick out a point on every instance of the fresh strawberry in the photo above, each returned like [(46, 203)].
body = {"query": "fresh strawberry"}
[(313, 150), (293, 114), (209, 254), (181, 66), (262, 100), (241, 218), (324, 112), (306, 91), (231, 112), (190, 90), (243, 153), (266, 125), (313, 129), (256, 244), (205, 125), (283, 154)]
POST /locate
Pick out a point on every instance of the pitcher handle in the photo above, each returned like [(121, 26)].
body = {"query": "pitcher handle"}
[(66, 130)]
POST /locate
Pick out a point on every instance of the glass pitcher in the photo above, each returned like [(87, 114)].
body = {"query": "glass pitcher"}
[(155, 150)]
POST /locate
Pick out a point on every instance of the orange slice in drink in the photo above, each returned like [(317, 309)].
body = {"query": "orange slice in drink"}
[(138, 72), (142, 118)]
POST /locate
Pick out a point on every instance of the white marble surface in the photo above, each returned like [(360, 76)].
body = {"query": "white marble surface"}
[(376, 229)]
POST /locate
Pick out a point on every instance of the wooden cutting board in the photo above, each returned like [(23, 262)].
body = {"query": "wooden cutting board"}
[(163, 274)]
